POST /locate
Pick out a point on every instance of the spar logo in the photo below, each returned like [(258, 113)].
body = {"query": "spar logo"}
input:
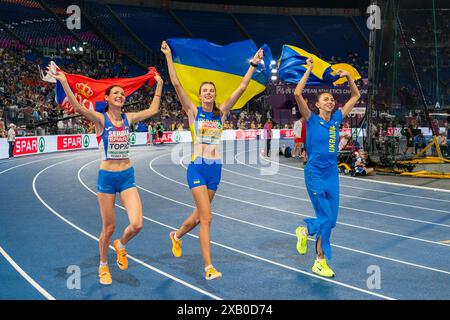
[(41, 144), (169, 137), (69, 142), (287, 133), (86, 141), (133, 138), (176, 137), (26, 146), (246, 134)]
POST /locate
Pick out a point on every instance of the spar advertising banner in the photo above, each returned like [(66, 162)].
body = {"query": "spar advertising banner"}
[(44, 144), (170, 137), (287, 133), (247, 134), (71, 142), (29, 145)]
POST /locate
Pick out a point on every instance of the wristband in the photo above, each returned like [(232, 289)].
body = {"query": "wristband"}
[(253, 64)]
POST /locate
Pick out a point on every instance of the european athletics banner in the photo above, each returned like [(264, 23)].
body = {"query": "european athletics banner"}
[(292, 66), (198, 60), (90, 93)]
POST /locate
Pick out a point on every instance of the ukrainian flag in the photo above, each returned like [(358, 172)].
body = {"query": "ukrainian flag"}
[(292, 66), (198, 60)]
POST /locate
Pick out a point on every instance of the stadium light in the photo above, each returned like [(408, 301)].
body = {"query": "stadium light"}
[(274, 78), (274, 71), (80, 49), (272, 62)]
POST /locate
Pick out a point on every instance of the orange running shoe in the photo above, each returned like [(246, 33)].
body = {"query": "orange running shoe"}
[(122, 260), (211, 273), (176, 245), (104, 275)]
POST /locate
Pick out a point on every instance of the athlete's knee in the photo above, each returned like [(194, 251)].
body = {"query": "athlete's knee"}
[(108, 230), (205, 219), (136, 226)]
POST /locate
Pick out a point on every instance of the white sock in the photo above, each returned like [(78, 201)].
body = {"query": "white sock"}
[(304, 232), (175, 236), (103, 264), (207, 268), (120, 245)]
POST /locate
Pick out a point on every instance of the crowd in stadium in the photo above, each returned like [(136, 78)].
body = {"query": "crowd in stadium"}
[(29, 102)]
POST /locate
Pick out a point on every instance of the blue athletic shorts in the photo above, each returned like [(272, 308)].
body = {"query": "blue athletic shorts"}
[(115, 181), (204, 172)]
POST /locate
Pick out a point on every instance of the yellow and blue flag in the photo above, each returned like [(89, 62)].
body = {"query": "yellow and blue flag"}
[(292, 66), (198, 60)]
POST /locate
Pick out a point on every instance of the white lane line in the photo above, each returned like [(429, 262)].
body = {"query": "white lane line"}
[(308, 200), (343, 207), (8, 257), (30, 280), (31, 162), (343, 185), (372, 181), (287, 233), (251, 255), (182, 282), (303, 215)]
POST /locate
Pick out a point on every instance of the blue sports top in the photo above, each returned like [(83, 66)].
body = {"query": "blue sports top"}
[(114, 142), (322, 139), (207, 128)]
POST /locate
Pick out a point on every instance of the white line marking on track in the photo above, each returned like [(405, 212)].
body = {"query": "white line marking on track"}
[(347, 186), (283, 232), (308, 200), (41, 290), (307, 216), (373, 181), (111, 247), (8, 258), (264, 259)]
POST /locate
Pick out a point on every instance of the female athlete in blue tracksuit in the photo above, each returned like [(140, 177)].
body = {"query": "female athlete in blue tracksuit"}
[(204, 172), (321, 172)]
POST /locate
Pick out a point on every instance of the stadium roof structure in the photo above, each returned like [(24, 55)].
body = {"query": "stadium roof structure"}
[(289, 3)]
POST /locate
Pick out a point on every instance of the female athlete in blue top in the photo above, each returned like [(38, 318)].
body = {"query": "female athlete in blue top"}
[(321, 172), (204, 172), (116, 174)]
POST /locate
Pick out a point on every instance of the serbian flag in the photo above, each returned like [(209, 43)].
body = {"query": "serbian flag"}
[(292, 66), (90, 93)]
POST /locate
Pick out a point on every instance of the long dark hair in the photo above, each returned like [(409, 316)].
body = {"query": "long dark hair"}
[(216, 110), (107, 92)]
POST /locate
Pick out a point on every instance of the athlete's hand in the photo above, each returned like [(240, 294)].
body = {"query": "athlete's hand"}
[(165, 49), (310, 62), (158, 79), (58, 75), (259, 55), (342, 73)]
